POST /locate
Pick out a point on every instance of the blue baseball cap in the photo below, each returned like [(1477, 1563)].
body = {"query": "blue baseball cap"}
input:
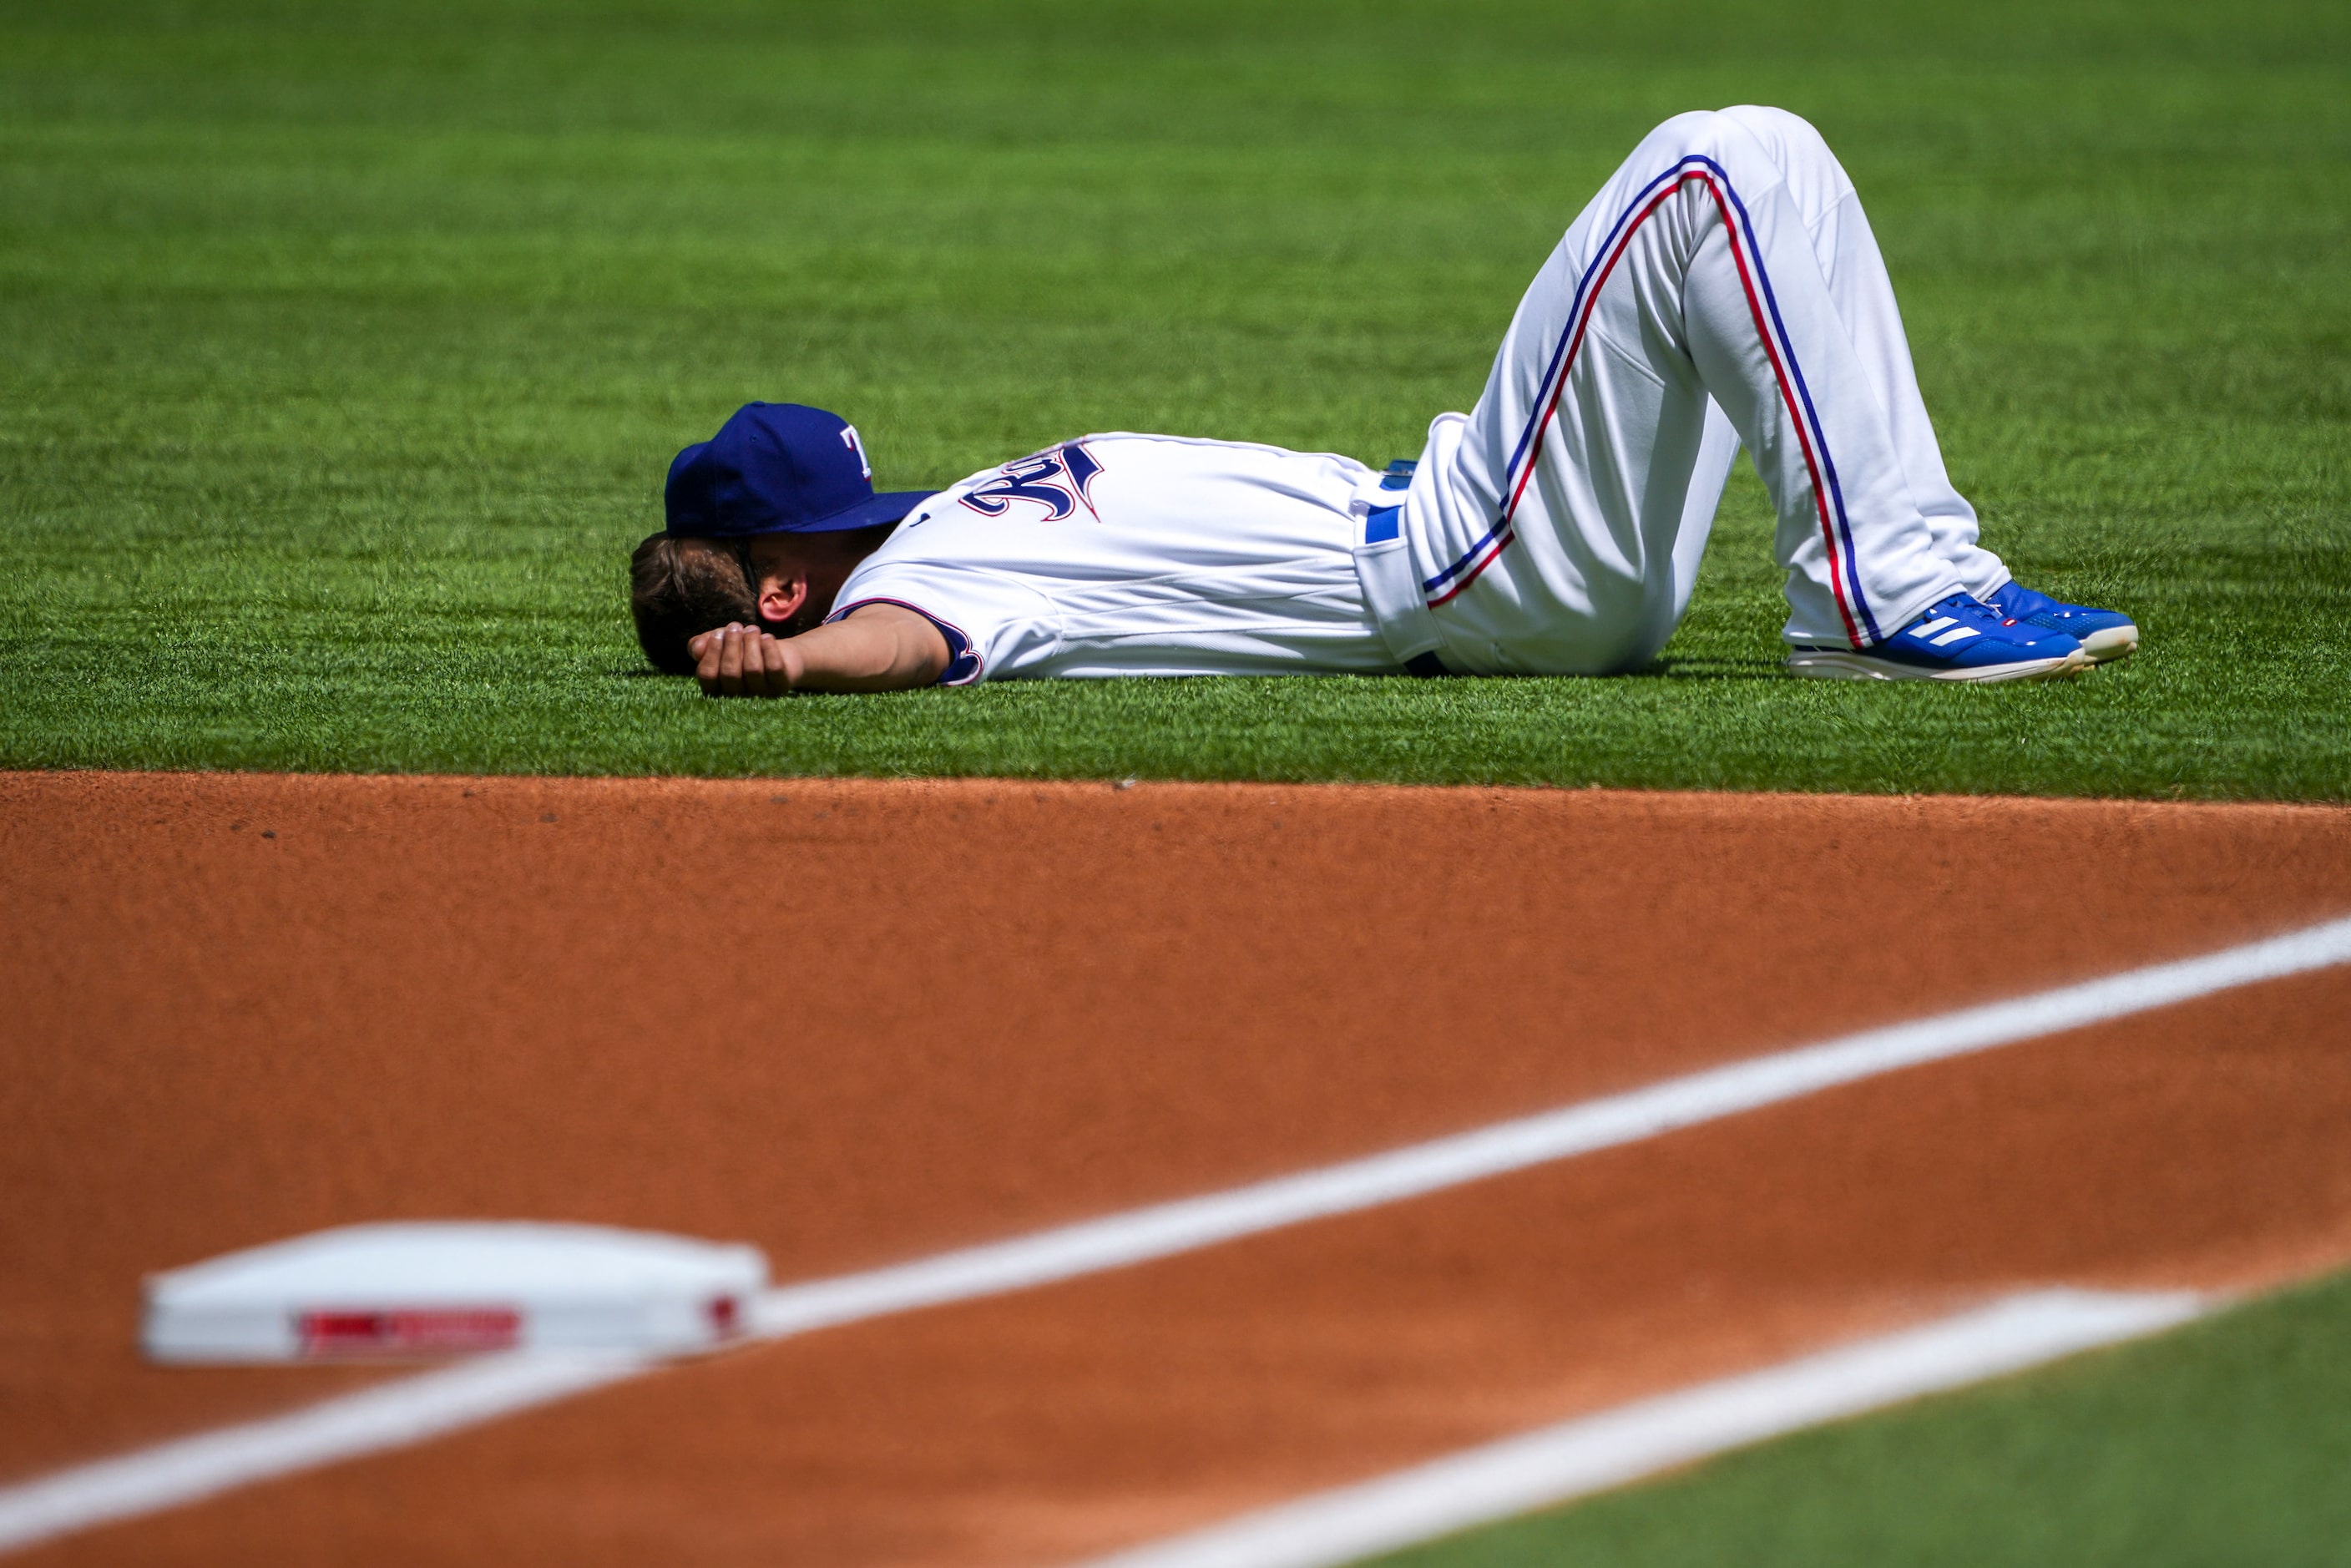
[(778, 468)]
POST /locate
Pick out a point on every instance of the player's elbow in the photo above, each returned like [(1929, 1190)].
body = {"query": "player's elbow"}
[(876, 647), (921, 657)]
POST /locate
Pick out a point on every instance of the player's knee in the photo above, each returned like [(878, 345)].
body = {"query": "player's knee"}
[(1782, 122), (1786, 139), (1790, 138), (1695, 131)]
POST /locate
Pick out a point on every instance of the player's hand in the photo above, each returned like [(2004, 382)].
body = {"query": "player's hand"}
[(737, 661)]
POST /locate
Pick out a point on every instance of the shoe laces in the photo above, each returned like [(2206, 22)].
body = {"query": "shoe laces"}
[(1966, 609), (2016, 602)]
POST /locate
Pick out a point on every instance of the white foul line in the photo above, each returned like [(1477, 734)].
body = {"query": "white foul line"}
[(391, 1416), (1577, 1458), (1140, 1235), (181, 1471)]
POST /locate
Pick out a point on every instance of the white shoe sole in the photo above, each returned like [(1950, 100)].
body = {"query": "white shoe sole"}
[(2113, 642), (1848, 664)]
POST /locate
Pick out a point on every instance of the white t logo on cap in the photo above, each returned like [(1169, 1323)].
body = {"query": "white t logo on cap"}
[(849, 439)]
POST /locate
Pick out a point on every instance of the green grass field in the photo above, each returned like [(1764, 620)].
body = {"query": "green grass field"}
[(2224, 1443), (346, 347)]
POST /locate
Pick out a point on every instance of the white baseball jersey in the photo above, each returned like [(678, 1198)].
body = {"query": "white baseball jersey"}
[(1140, 555)]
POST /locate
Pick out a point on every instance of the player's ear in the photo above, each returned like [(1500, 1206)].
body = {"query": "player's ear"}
[(782, 593)]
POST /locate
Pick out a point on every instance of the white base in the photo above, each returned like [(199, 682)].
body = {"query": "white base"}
[(432, 1290)]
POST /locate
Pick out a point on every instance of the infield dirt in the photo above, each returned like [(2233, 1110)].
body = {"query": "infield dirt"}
[(857, 1021)]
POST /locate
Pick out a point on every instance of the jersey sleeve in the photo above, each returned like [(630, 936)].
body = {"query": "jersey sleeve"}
[(995, 625)]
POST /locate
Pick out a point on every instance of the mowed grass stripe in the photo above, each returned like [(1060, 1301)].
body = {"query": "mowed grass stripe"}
[(347, 350)]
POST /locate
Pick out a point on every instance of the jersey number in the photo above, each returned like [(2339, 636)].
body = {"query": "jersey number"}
[(1059, 481)]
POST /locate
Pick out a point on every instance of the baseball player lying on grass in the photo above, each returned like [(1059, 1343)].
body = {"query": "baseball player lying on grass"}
[(1722, 289)]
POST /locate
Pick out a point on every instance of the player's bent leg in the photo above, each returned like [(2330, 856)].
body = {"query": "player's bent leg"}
[(1551, 515), (1836, 368), (1555, 523), (1862, 295), (1772, 348)]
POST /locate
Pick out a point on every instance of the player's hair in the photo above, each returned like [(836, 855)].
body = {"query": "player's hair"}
[(679, 589)]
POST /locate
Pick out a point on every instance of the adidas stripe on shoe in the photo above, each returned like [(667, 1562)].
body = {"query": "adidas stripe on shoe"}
[(1958, 639)]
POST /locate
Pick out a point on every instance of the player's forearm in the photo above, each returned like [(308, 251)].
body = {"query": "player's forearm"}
[(880, 648), (883, 649)]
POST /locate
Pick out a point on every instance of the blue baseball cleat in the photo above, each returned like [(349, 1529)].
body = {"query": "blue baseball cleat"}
[(2104, 633), (1959, 639)]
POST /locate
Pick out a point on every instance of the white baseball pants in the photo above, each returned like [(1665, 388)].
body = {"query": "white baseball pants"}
[(1723, 288)]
